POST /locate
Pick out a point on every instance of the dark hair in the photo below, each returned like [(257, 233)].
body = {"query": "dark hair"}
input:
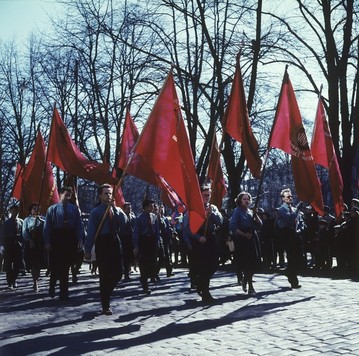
[(147, 202), (65, 189), (14, 206), (102, 187), (31, 206), (126, 203)]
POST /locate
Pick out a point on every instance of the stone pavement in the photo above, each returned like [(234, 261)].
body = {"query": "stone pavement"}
[(320, 318)]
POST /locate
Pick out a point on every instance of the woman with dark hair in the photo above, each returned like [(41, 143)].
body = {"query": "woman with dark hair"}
[(243, 224), (34, 246)]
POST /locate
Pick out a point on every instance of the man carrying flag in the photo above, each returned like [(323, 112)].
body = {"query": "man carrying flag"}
[(288, 134), (202, 246)]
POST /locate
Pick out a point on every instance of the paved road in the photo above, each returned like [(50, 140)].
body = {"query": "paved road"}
[(320, 318)]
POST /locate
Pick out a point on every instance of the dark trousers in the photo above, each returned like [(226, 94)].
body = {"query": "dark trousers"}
[(127, 250), (294, 249), (205, 263), (63, 253), (147, 260), (109, 260), (12, 262)]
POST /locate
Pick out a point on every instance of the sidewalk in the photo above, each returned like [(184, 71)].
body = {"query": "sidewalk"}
[(320, 318)]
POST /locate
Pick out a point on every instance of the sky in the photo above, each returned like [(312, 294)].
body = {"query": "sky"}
[(19, 17)]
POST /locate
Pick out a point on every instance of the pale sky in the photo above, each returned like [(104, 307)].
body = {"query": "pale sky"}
[(19, 17)]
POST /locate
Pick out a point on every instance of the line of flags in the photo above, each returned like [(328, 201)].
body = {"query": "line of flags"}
[(161, 155)]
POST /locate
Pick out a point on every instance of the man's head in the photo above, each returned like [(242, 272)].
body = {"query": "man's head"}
[(148, 205), (65, 194), (127, 207), (286, 196), (206, 193), (105, 193)]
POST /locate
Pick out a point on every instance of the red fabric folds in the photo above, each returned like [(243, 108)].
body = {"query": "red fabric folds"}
[(324, 154), (215, 174), (236, 123), (288, 134), (38, 179), (163, 147), (65, 154)]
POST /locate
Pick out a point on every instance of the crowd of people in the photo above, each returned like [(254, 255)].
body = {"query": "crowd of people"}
[(115, 241)]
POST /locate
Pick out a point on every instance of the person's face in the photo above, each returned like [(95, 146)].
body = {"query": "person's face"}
[(34, 210), (206, 196), (127, 209), (106, 195), (287, 198), (149, 208), (65, 197), (245, 201)]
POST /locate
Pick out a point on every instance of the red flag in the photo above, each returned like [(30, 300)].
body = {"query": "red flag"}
[(236, 123), (288, 134), (64, 153), (164, 147), (215, 174), (38, 179), (16, 190), (324, 154), (140, 168), (129, 138), (118, 193)]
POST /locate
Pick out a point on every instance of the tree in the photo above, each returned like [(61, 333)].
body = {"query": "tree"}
[(322, 37)]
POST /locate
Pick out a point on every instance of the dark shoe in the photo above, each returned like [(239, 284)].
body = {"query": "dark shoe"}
[(74, 279), (170, 274), (107, 311), (251, 292), (147, 291), (207, 298), (244, 285), (64, 297), (297, 286), (127, 278), (193, 285)]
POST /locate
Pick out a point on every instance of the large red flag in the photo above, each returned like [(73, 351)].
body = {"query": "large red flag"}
[(164, 146), (236, 123), (215, 174), (17, 189), (324, 154), (140, 168), (288, 134), (38, 179), (63, 152)]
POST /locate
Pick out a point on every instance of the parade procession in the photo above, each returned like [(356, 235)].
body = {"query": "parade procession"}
[(189, 177)]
